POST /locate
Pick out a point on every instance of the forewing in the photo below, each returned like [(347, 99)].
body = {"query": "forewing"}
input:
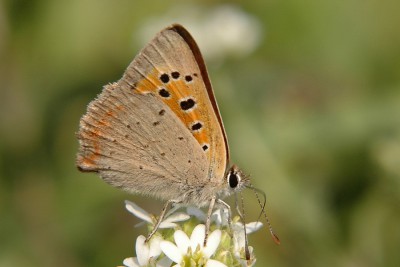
[(172, 68)]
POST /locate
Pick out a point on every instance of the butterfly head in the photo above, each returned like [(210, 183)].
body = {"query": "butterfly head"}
[(236, 179)]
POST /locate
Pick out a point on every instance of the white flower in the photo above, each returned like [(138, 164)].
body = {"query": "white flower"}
[(219, 216), (240, 36), (225, 246), (147, 253), (238, 232), (189, 250), (239, 240), (169, 221)]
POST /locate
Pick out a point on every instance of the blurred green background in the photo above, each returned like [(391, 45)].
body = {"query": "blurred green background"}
[(309, 92)]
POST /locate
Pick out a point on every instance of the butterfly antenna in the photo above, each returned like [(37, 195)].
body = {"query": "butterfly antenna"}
[(262, 205)]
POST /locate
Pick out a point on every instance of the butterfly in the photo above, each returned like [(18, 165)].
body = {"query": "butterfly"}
[(158, 131)]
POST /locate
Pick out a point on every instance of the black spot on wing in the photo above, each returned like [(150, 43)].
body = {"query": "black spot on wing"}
[(188, 78), (187, 104), (164, 78), (164, 93), (197, 126), (175, 75)]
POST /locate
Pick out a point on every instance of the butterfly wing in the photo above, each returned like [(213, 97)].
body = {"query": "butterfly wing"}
[(135, 142), (159, 126), (172, 68)]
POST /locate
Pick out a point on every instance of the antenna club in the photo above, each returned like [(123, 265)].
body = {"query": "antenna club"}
[(275, 238)]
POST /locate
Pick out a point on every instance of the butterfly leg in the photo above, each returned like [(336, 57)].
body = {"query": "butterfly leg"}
[(226, 206), (160, 218), (208, 221), (242, 217)]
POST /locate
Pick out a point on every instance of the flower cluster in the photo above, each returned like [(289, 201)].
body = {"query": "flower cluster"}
[(183, 244)]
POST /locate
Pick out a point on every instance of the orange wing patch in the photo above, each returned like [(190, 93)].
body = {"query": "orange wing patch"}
[(92, 151), (176, 90), (92, 134)]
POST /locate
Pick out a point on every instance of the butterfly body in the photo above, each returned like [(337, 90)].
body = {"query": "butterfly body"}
[(158, 131)]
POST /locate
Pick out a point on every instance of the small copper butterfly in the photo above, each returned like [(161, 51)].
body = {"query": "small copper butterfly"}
[(158, 131)]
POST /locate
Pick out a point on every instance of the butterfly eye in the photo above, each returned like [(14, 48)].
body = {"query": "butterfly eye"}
[(233, 179)]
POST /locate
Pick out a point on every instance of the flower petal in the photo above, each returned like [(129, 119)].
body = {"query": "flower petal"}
[(164, 262), (155, 249), (182, 241), (142, 250), (172, 210), (250, 227), (238, 237), (198, 236), (246, 263), (171, 251), (167, 225), (214, 263), (177, 217), (138, 211), (198, 213), (253, 226), (212, 243), (220, 216), (131, 262)]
